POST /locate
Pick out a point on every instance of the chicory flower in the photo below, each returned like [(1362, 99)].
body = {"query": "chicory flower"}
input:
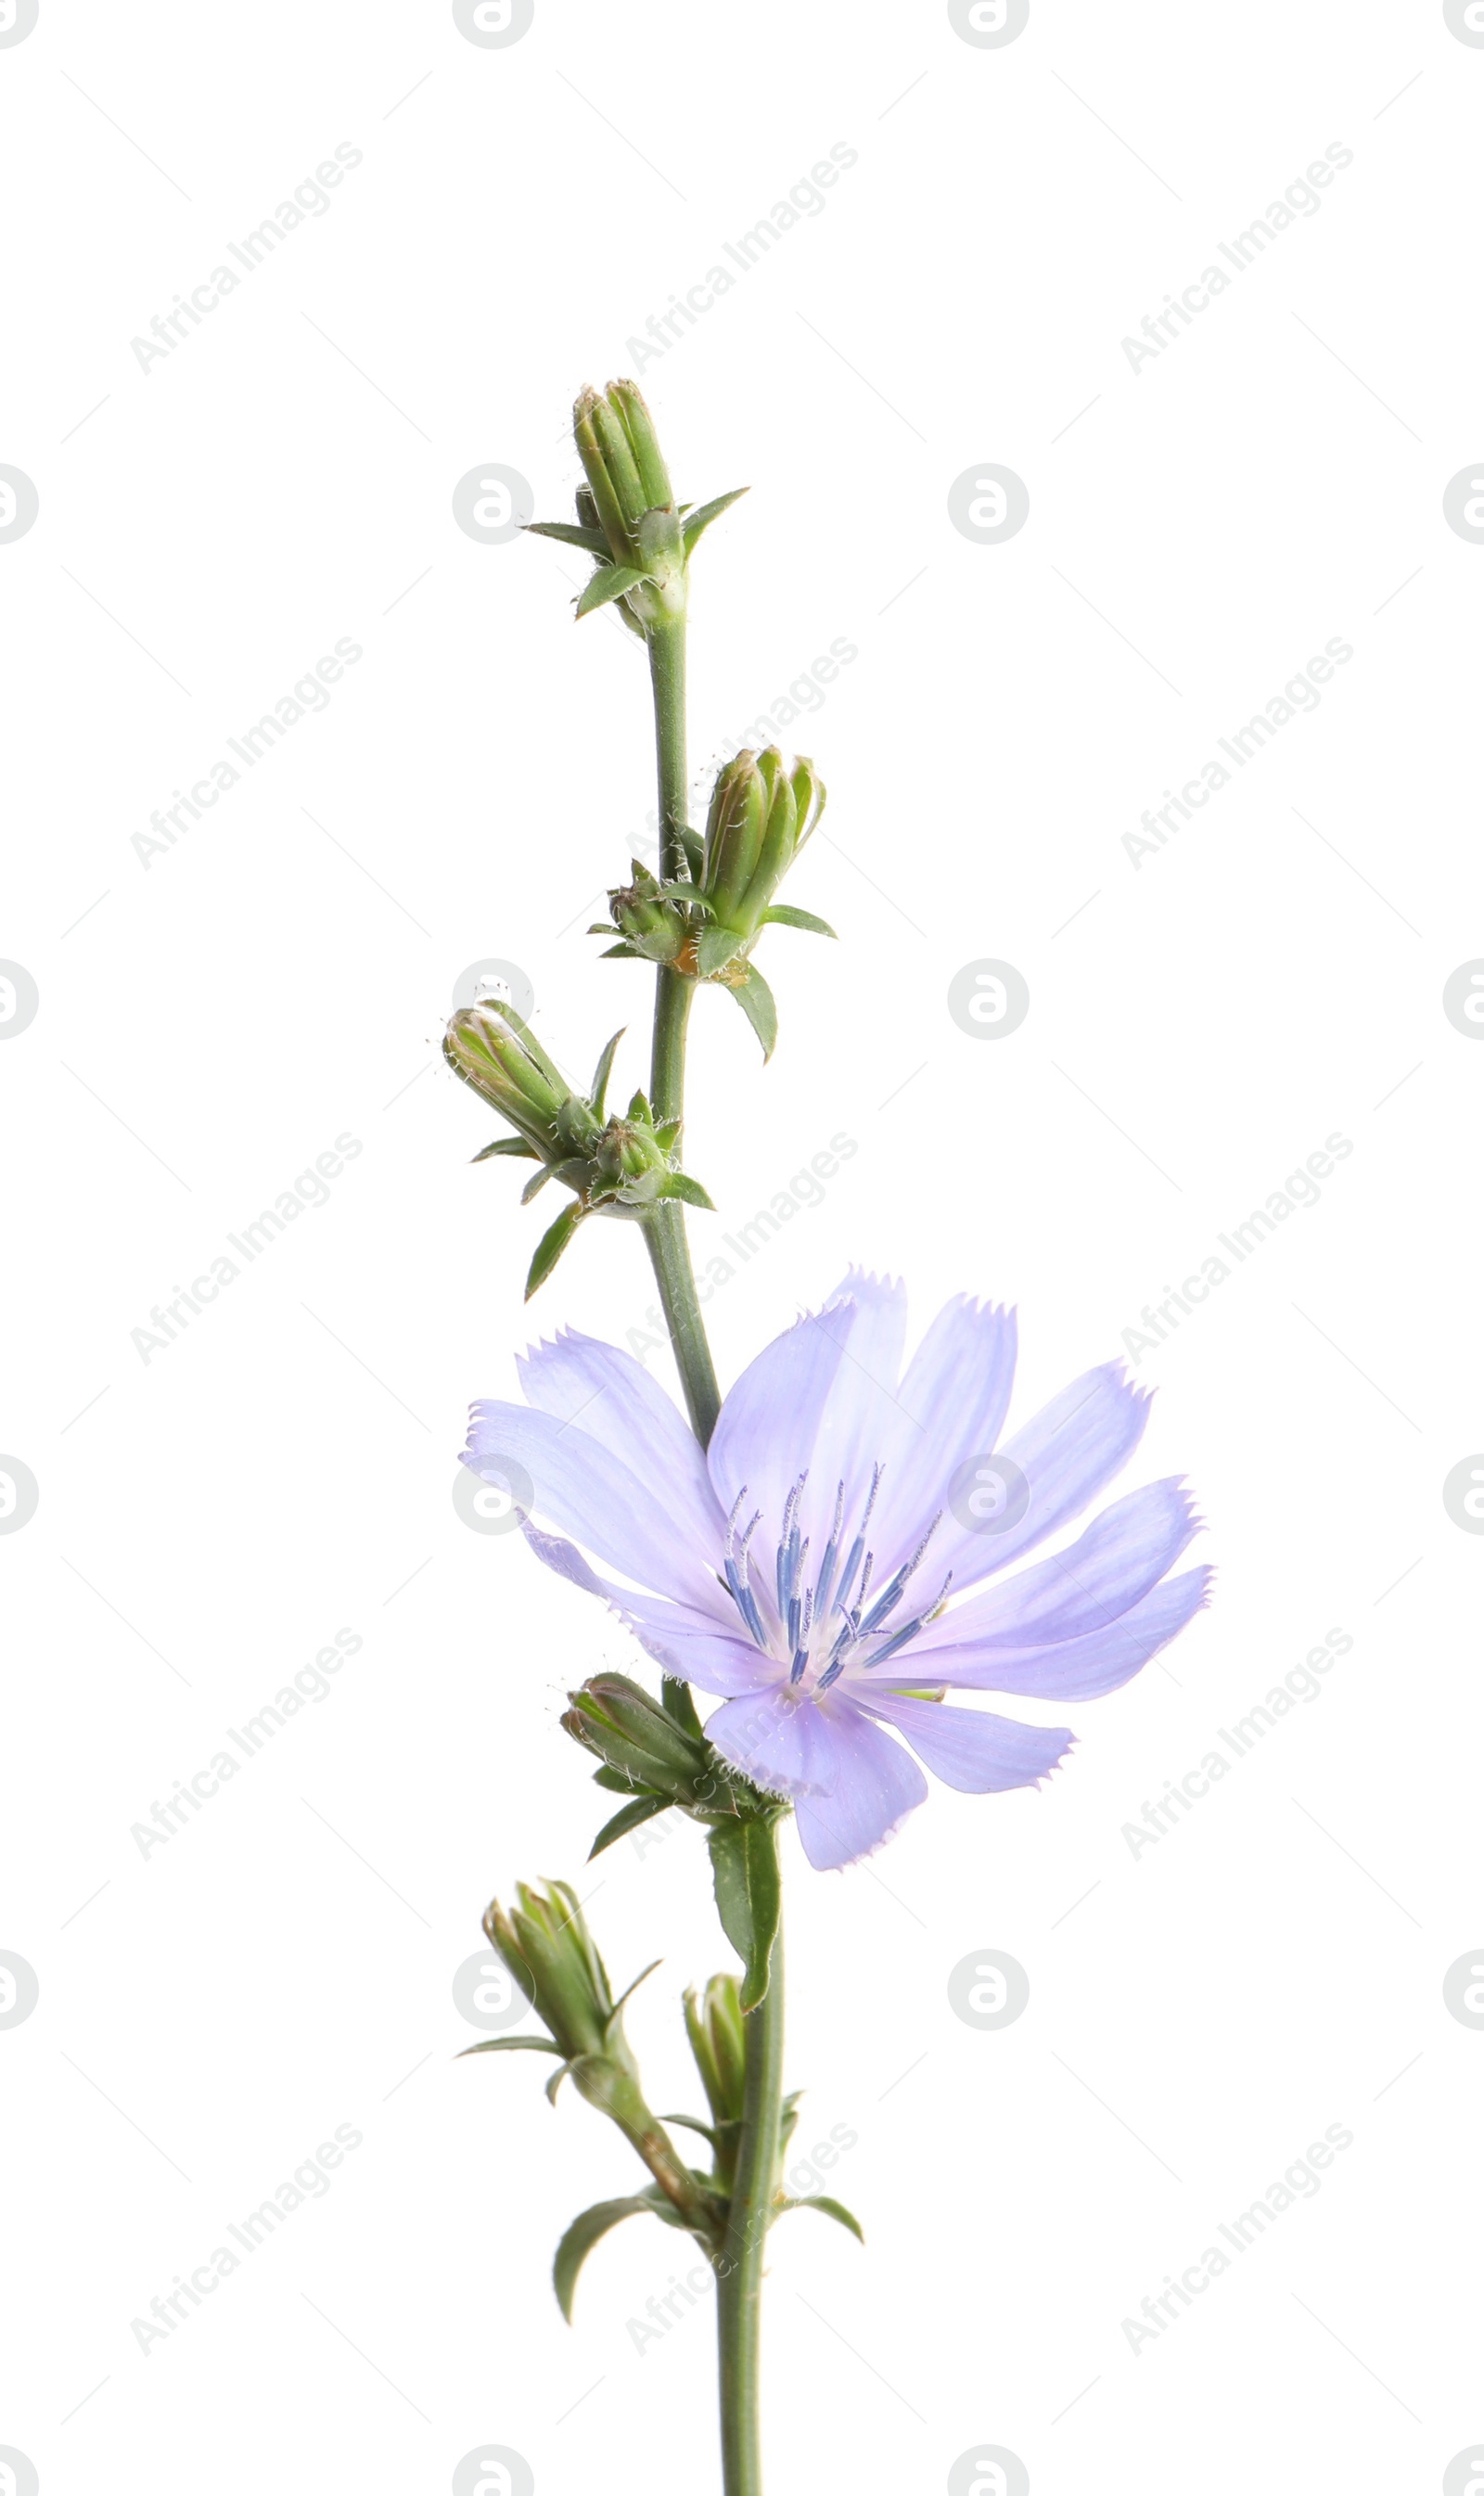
[(840, 1557)]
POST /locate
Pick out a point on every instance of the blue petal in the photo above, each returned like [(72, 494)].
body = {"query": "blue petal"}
[(688, 1644), (771, 1419), (950, 1407), (774, 1738), (1080, 1667), (862, 1406), (875, 1785), (592, 1495), (977, 1754), (613, 1400), (1125, 1551), (1068, 1453)]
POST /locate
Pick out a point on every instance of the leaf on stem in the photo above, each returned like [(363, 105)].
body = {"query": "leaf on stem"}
[(686, 1190), (550, 1247), (591, 541), (832, 2210), (600, 1088), (509, 2046), (783, 915), (756, 1001), (633, 1816), (591, 2228), (615, 580), (744, 1865), (699, 521), (515, 1146)]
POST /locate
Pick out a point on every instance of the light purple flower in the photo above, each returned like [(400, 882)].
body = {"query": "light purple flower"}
[(801, 1569)]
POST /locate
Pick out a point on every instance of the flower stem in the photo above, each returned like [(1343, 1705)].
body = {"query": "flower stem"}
[(739, 2287), (739, 2265), (664, 1232)]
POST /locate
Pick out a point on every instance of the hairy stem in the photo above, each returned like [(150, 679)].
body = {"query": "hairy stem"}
[(739, 2285)]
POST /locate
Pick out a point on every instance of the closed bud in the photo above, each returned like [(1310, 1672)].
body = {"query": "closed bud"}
[(762, 814), (713, 2023), (545, 1944), (630, 1732), (492, 1051), (629, 488)]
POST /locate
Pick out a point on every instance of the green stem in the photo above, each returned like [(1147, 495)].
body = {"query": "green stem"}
[(739, 2287), (739, 2268), (664, 1232)]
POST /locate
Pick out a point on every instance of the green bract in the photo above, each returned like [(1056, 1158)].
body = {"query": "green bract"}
[(619, 1166)]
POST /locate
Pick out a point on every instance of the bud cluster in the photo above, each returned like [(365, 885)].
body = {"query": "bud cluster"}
[(617, 1166)]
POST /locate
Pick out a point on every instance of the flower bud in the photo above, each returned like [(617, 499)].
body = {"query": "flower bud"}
[(648, 922), (494, 1051), (631, 1732), (545, 1944), (713, 2023), (632, 495), (762, 814)]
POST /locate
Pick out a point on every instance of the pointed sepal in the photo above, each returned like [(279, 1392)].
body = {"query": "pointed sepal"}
[(758, 1002), (697, 523), (550, 1247)]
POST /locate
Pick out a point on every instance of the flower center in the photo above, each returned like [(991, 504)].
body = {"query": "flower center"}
[(823, 1622)]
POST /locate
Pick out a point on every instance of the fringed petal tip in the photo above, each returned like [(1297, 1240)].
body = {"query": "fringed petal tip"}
[(866, 1851)]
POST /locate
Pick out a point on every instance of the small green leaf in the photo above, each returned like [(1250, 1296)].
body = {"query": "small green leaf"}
[(633, 1816), (744, 1865), (605, 1068), (616, 953), (691, 2123), (551, 1246), (832, 2210), (677, 1700), (584, 2234), (687, 893), (509, 2046), (644, 1972), (756, 1001), (615, 1781), (591, 541), (699, 521), (783, 915), (667, 1136), (515, 1146), (685, 1190), (715, 948), (555, 2082), (532, 1186), (614, 580)]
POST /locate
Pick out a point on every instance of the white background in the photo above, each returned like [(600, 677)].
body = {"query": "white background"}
[(210, 1022)]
